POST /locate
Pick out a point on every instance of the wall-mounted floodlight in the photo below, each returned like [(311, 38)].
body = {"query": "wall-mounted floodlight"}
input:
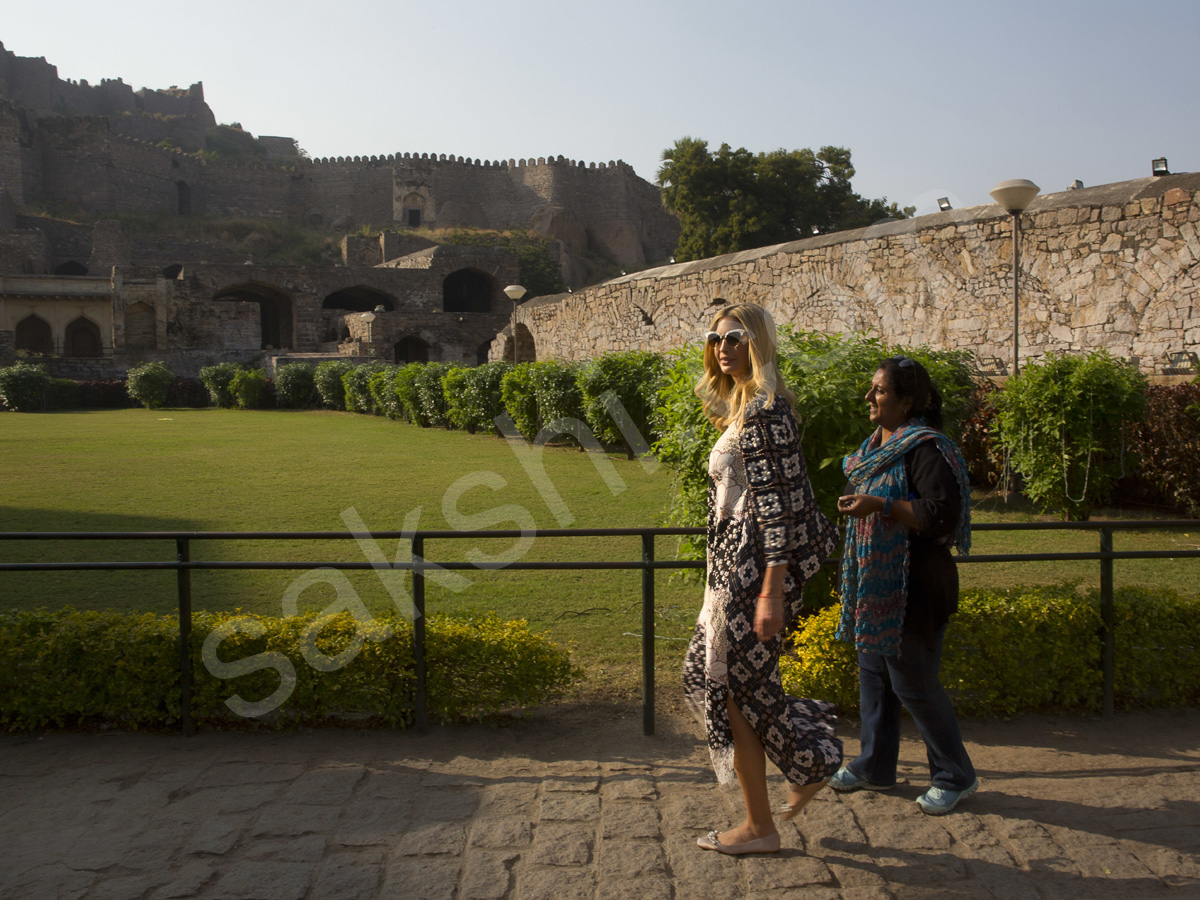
[(1075, 185), (944, 204), (1159, 167), (816, 229)]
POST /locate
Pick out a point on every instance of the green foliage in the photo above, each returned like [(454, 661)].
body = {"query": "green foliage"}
[(632, 378), (432, 399), (404, 388), (556, 391), (68, 668), (356, 383), (295, 386), (218, 380), (1166, 446), (383, 393), (980, 442), (63, 393), (1063, 420), (328, 378), (23, 387), (520, 399), (149, 384), (473, 395), (249, 389), (1030, 650), (734, 200)]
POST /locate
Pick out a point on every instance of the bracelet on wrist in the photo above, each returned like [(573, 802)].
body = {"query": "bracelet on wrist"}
[(887, 507), (770, 596)]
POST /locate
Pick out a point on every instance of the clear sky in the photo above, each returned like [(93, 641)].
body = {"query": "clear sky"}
[(934, 99)]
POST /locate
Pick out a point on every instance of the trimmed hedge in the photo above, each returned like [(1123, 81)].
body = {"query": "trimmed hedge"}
[(1030, 650), (23, 387), (149, 384), (68, 668)]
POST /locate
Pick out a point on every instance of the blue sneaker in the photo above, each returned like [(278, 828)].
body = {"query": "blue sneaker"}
[(938, 801), (846, 781)]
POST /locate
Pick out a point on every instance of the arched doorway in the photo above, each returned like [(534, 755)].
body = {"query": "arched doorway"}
[(140, 327), (482, 351), (411, 349), (83, 338), (275, 309), (33, 335), (414, 210), (467, 290)]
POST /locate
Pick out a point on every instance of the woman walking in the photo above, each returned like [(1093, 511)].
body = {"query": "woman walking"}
[(766, 537), (909, 501)]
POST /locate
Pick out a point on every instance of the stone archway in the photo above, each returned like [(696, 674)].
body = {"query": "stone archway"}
[(467, 291), (411, 348), (525, 346), (83, 338), (71, 267), (275, 307), (33, 335)]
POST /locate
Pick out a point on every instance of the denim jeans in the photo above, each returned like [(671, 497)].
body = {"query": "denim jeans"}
[(886, 684)]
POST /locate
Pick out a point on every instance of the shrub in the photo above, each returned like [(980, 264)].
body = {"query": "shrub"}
[(404, 389), (106, 395), (430, 396), (328, 379), (383, 393), (23, 387), (631, 377), (556, 391), (295, 386), (356, 383), (520, 399), (249, 389), (1164, 447), (1027, 650), (1063, 422), (473, 395), (187, 391), (68, 668), (218, 379), (980, 443), (62, 393), (149, 384)]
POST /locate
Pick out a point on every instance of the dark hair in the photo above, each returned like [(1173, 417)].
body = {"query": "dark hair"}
[(910, 381)]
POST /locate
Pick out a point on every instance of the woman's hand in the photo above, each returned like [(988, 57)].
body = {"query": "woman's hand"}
[(768, 617), (859, 505)]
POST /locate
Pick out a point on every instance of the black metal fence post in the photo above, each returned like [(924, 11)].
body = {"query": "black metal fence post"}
[(647, 634), (418, 577), (183, 583), (1108, 618)]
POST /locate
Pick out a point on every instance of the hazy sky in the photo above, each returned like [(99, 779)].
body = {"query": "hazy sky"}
[(932, 98)]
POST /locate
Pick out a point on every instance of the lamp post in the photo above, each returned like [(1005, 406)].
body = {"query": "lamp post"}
[(514, 292), (1015, 196)]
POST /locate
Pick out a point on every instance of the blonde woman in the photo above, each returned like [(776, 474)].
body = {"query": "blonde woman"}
[(766, 537)]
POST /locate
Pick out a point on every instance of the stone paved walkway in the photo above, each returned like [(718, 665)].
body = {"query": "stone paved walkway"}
[(577, 803)]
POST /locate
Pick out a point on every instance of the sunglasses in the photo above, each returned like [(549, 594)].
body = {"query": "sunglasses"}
[(903, 361), (736, 335)]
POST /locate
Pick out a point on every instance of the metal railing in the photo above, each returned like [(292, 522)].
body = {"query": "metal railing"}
[(183, 565)]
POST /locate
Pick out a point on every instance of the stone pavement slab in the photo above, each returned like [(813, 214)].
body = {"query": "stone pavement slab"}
[(574, 802)]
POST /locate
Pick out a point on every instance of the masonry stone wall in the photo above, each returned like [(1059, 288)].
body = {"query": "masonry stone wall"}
[(1112, 267)]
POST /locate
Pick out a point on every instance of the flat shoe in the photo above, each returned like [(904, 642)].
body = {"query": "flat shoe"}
[(768, 844)]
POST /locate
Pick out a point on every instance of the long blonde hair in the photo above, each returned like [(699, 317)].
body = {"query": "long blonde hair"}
[(723, 398)]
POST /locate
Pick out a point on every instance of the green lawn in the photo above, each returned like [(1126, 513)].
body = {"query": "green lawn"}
[(204, 470)]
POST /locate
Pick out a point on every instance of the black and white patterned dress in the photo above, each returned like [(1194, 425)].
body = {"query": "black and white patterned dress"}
[(760, 510)]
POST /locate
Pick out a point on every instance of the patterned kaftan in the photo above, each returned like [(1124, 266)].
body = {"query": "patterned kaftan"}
[(760, 508)]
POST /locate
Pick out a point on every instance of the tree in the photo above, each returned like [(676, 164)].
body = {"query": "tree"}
[(734, 200)]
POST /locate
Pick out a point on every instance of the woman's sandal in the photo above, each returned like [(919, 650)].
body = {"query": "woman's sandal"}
[(768, 844)]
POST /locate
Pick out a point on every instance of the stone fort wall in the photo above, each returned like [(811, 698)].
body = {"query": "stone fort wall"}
[(1114, 267), (83, 162)]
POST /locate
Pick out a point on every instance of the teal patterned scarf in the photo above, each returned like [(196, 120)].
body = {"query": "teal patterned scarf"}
[(874, 573)]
